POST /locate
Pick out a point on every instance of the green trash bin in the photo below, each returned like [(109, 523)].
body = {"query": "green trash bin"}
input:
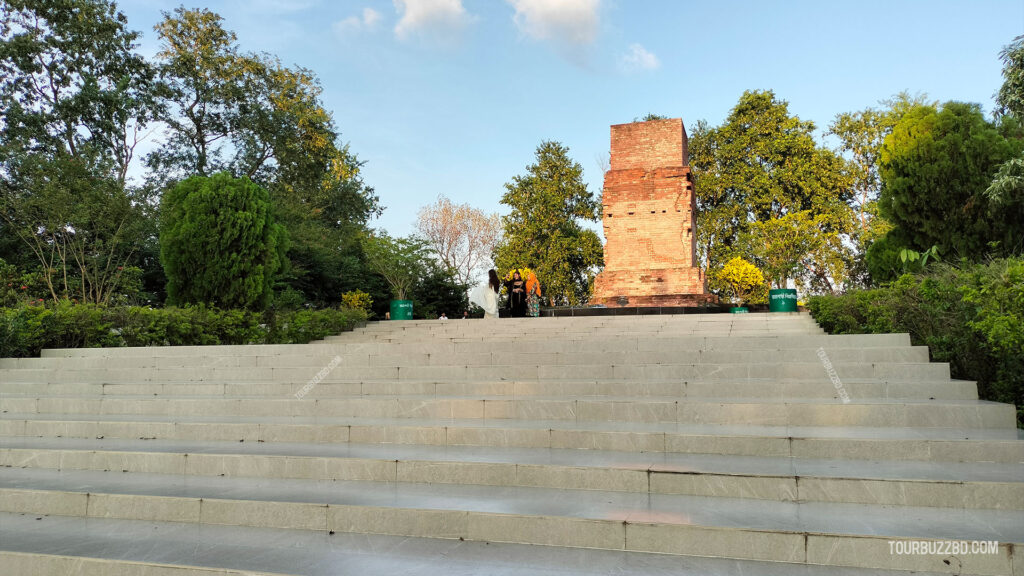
[(401, 309), (782, 300)]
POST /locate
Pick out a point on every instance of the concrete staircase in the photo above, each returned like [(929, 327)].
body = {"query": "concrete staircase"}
[(690, 444)]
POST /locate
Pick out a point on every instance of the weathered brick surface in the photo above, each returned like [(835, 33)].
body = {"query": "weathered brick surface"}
[(649, 224)]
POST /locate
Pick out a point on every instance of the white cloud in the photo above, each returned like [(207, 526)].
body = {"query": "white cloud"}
[(437, 18), (638, 58), (569, 22), (370, 17), (352, 24)]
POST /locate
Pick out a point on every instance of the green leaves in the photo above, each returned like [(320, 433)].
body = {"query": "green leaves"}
[(1010, 97), (765, 189), (70, 79), (543, 230), (401, 261), (935, 167), (219, 243)]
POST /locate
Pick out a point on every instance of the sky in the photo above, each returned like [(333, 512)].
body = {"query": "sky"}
[(452, 97)]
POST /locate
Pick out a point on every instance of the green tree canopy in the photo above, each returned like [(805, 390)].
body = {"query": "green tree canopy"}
[(70, 79), (544, 231), (763, 164), (935, 167), (250, 115), (1010, 97), (219, 243), (74, 95)]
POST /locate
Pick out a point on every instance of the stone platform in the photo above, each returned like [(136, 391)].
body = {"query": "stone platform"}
[(655, 444)]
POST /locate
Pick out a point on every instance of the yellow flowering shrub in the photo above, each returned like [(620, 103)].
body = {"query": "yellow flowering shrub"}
[(741, 278)]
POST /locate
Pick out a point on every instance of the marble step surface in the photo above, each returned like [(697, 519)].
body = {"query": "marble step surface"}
[(833, 442), (581, 343), (855, 535), (65, 545), (641, 409), (908, 371), (779, 389), (936, 484), (397, 357)]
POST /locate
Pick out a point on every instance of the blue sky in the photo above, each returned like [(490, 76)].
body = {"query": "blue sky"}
[(453, 96)]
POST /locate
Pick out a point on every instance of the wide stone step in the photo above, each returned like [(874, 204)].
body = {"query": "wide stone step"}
[(443, 358), (67, 545), (832, 442), (857, 535), (581, 344), (789, 412), (496, 338), (907, 371), (939, 484), (776, 389)]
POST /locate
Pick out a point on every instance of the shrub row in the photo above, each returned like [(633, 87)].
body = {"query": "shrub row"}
[(25, 330), (971, 316)]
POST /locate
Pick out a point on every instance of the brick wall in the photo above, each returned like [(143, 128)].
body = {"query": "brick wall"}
[(648, 217), (649, 145)]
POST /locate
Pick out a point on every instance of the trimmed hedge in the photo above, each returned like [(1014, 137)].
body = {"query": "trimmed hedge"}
[(25, 330), (971, 317)]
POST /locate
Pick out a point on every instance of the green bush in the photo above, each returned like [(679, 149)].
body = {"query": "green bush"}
[(970, 316), (25, 330), (219, 244)]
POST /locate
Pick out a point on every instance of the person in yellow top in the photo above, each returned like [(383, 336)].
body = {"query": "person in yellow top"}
[(532, 295)]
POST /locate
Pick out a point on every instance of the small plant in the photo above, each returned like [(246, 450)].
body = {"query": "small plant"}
[(357, 299), (908, 257), (740, 278)]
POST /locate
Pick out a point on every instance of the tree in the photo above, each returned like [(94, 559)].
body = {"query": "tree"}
[(1010, 97), (935, 167), (761, 165), (403, 262), (785, 246), (543, 230), (439, 291), (463, 237), (82, 228), (248, 114), (200, 72), (71, 81), (861, 135), (219, 243), (75, 97)]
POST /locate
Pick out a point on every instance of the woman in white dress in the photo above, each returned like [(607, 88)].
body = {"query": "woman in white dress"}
[(486, 295)]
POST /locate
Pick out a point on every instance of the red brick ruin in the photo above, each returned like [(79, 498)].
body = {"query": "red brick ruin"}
[(649, 227)]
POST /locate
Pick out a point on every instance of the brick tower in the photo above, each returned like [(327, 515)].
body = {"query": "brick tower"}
[(649, 226)]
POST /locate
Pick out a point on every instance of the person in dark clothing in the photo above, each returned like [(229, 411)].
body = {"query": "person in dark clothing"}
[(516, 295)]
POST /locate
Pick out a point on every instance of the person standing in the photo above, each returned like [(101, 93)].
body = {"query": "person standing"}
[(532, 295), (486, 295), (517, 295)]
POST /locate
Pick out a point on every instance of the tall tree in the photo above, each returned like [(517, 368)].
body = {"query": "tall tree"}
[(544, 231), (861, 135), (462, 236), (1005, 194), (248, 114), (935, 167), (75, 97), (1010, 97), (71, 80), (763, 164)]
